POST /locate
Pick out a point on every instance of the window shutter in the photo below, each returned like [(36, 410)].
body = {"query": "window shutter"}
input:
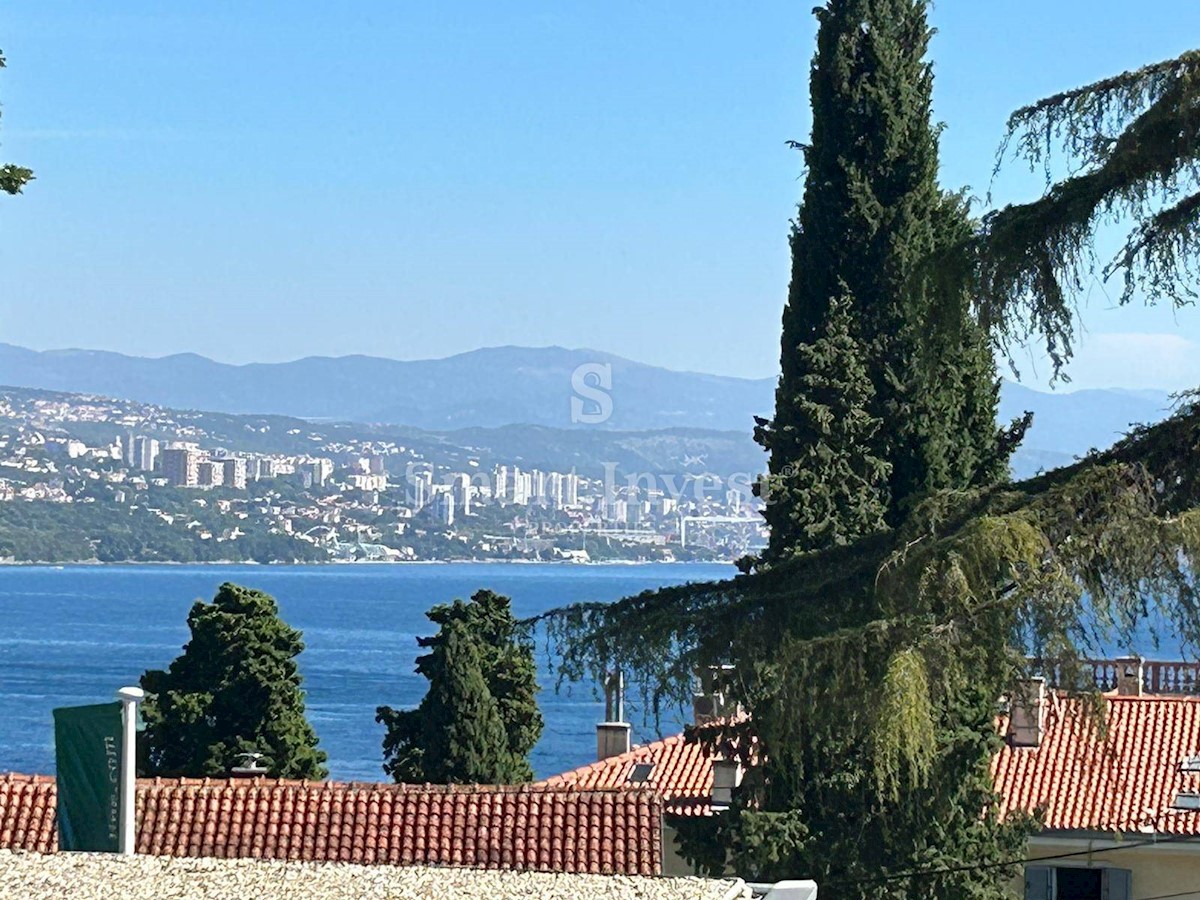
[(1039, 883), (1117, 884)]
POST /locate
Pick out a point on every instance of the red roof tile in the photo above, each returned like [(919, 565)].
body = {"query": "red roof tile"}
[(681, 773), (1123, 781), (1079, 782), (529, 827)]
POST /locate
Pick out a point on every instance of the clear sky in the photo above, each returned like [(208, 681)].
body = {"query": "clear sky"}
[(263, 181)]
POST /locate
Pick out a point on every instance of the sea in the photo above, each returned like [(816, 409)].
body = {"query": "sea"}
[(75, 634)]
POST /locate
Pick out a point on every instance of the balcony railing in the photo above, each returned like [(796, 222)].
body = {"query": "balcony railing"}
[(1156, 677)]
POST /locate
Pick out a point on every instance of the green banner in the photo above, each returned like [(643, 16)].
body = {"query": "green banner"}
[(87, 753)]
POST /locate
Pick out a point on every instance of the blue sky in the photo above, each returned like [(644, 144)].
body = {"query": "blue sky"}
[(267, 181)]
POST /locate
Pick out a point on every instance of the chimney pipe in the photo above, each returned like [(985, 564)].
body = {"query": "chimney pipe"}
[(1027, 713), (612, 735), (130, 697)]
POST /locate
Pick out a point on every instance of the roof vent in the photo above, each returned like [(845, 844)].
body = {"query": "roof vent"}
[(1190, 764), (251, 767)]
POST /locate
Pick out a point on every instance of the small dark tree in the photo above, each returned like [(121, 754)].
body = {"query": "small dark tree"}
[(235, 689), (13, 178), (480, 718), (836, 490)]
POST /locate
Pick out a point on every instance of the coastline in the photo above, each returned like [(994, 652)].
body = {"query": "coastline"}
[(97, 564)]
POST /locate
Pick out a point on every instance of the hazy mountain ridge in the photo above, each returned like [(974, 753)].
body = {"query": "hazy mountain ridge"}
[(482, 388), (501, 387)]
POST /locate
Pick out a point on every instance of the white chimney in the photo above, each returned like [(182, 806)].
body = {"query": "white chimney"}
[(1027, 713), (612, 735)]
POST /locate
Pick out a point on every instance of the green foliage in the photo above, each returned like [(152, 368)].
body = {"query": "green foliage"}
[(923, 626), (872, 216), (99, 529), (235, 689), (13, 178), (1131, 144), (479, 719), (834, 491), (872, 669)]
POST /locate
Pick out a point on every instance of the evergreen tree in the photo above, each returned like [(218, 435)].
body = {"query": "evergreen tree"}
[(479, 719), (13, 178), (235, 689), (871, 221), (836, 490), (872, 670)]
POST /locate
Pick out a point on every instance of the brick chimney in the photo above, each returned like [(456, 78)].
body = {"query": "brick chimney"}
[(1129, 676), (1027, 713), (612, 735)]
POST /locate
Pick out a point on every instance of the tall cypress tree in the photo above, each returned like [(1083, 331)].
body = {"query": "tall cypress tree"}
[(871, 223), (235, 689), (480, 718), (866, 243)]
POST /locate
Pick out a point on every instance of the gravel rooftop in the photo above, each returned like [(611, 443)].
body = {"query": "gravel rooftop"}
[(83, 876)]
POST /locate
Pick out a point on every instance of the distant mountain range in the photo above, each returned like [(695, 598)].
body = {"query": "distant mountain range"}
[(483, 388), (508, 386)]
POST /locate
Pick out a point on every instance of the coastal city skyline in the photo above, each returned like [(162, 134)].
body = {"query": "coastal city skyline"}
[(350, 499)]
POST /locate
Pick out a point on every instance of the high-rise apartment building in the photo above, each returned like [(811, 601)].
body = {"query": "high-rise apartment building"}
[(233, 472), (210, 473), (145, 453), (322, 471), (554, 490), (443, 506), (520, 487), (181, 466), (460, 489)]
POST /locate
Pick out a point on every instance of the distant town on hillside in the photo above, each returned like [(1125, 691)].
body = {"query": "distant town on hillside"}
[(85, 478)]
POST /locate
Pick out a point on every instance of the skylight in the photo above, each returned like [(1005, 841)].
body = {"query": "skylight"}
[(641, 772)]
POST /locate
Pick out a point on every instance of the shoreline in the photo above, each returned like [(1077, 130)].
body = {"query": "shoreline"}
[(96, 564)]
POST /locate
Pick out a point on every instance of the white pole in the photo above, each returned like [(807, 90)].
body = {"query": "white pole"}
[(129, 697)]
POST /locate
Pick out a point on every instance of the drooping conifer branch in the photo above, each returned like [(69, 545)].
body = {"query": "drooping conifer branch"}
[(1132, 146)]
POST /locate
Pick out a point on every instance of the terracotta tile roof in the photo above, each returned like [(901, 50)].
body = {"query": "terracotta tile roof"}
[(1079, 782), (1123, 782), (524, 828), (681, 773), (27, 813)]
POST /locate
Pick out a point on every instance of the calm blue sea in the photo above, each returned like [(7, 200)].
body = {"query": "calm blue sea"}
[(72, 635)]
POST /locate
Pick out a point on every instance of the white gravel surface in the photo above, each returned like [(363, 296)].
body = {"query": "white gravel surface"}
[(101, 876)]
